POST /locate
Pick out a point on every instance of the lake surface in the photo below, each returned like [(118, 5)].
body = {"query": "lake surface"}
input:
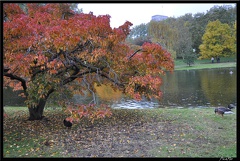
[(181, 89), (192, 88)]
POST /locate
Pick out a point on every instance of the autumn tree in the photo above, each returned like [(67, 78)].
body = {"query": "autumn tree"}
[(164, 34), (218, 40), (51, 50), (197, 28), (183, 45), (139, 35), (225, 14), (139, 31), (183, 37)]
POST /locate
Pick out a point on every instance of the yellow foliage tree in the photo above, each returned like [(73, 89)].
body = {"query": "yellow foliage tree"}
[(219, 40)]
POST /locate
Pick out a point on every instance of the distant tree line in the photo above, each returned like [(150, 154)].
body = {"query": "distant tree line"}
[(187, 37)]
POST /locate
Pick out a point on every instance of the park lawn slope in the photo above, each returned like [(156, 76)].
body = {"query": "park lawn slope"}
[(207, 66), (206, 63)]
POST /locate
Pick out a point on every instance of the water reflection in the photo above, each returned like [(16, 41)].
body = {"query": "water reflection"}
[(200, 88), (133, 104), (191, 88)]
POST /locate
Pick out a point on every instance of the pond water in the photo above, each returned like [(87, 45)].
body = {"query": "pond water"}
[(190, 89), (200, 88), (181, 89)]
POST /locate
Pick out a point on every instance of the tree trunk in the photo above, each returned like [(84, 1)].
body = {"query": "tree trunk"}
[(36, 113)]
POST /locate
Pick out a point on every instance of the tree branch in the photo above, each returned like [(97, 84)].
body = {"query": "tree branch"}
[(6, 70), (14, 77), (112, 80), (134, 53)]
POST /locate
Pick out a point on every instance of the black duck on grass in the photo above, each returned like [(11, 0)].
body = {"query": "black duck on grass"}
[(231, 106), (222, 110)]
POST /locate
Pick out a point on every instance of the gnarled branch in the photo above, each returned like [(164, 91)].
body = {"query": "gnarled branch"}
[(15, 77)]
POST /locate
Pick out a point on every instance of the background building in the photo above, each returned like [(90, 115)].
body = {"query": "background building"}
[(159, 17)]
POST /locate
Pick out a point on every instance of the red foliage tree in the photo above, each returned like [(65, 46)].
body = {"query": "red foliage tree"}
[(50, 49)]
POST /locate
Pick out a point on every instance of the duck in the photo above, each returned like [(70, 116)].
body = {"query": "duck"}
[(67, 123), (231, 106), (223, 110)]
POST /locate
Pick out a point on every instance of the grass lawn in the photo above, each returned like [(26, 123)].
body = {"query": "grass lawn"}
[(203, 64), (128, 133)]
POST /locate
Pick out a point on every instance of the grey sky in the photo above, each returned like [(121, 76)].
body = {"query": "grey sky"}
[(138, 13)]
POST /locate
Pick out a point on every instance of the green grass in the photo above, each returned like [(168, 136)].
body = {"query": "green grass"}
[(185, 133), (205, 63), (19, 142), (216, 135)]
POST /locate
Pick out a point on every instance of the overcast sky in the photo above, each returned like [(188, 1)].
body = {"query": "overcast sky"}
[(138, 13)]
